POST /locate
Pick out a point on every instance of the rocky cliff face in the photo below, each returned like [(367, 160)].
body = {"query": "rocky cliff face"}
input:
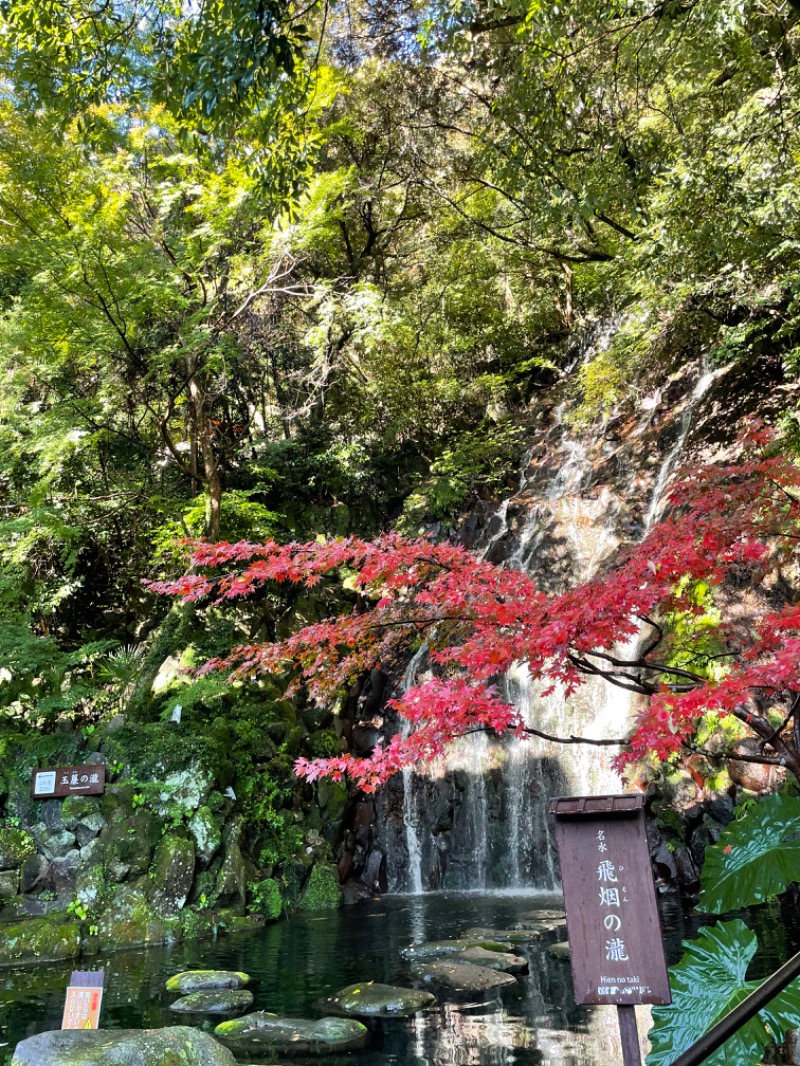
[(477, 820)]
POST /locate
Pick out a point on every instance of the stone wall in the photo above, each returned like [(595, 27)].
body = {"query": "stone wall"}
[(162, 855)]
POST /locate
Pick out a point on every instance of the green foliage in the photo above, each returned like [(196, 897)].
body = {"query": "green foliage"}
[(756, 858), (706, 984), (265, 899)]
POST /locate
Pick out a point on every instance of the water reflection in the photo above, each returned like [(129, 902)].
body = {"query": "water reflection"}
[(535, 1023)]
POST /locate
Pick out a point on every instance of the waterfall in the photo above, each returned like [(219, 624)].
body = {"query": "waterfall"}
[(477, 817), (413, 845)]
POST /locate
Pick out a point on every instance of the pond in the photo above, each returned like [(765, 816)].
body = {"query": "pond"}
[(297, 961)]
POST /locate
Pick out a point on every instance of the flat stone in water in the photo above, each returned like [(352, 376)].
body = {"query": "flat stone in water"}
[(504, 936), (376, 1001), (461, 976), (495, 960), (542, 915), (543, 924), (214, 1001), (435, 949), (559, 951), (122, 1047), (206, 980), (260, 1031)]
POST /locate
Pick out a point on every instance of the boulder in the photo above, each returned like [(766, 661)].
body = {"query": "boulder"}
[(373, 1000), (84, 816), (172, 874), (207, 980), (186, 789), (127, 845), (9, 884), (53, 843), (559, 951), (322, 891), (130, 921), (461, 977), (122, 1047), (206, 833), (231, 886), (39, 940), (62, 877), (218, 1001), (261, 1033)]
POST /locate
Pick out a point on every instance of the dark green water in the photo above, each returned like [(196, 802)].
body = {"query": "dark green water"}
[(297, 961)]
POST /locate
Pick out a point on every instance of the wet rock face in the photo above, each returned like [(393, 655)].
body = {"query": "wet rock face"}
[(122, 1047), (263, 1033)]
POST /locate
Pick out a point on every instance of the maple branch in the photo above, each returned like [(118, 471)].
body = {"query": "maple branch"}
[(761, 760), (661, 668), (572, 739), (654, 640)]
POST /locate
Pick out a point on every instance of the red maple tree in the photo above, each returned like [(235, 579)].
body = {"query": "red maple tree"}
[(478, 619)]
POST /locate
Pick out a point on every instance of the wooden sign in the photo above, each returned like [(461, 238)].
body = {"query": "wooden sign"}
[(616, 947), (69, 781), (84, 999)]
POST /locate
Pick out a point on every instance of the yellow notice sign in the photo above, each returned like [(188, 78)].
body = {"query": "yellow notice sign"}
[(84, 999)]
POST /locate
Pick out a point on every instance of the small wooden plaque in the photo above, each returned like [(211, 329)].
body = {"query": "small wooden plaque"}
[(84, 999), (616, 947), (89, 780)]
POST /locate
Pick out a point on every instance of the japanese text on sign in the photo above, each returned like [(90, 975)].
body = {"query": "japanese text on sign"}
[(612, 919), (69, 780)]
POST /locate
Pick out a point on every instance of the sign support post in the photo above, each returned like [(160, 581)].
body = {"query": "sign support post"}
[(616, 947)]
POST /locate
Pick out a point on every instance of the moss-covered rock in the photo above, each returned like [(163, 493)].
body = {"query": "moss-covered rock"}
[(371, 1000), (261, 1033), (220, 1001), (177, 1046), (172, 873), (207, 980), (39, 940), (130, 921), (83, 815), (9, 884), (559, 951), (207, 834), (15, 847), (231, 886), (265, 899), (322, 891), (126, 846)]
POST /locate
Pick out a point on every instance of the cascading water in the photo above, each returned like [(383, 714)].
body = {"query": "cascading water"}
[(477, 819)]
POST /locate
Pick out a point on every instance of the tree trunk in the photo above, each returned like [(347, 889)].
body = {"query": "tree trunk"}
[(205, 442)]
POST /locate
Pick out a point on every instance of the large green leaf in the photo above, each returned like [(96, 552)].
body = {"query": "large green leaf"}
[(707, 983), (755, 858)]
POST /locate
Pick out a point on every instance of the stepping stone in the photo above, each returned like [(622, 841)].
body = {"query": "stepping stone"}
[(461, 977), (214, 1001), (206, 980), (559, 951), (435, 949), (504, 936), (376, 1001), (542, 915), (546, 925), (261, 1033), (495, 960)]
